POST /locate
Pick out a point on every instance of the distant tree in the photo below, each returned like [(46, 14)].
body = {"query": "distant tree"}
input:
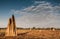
[(33, 28), (38, 28), (52, 28)]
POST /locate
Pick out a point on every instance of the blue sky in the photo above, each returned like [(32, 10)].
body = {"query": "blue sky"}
[(31, 13)]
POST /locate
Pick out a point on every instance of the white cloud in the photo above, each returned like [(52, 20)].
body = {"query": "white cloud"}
[(42, 15), (2, 25)]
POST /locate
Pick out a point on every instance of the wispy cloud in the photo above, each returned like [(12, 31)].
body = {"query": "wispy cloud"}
[(41, 14)]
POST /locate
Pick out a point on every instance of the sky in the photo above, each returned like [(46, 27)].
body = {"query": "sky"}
[(31, 13)]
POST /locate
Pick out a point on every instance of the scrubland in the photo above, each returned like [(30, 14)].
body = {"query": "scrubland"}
[(34, 34)]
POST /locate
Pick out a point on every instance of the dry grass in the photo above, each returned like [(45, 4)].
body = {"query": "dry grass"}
[(36, 34)]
